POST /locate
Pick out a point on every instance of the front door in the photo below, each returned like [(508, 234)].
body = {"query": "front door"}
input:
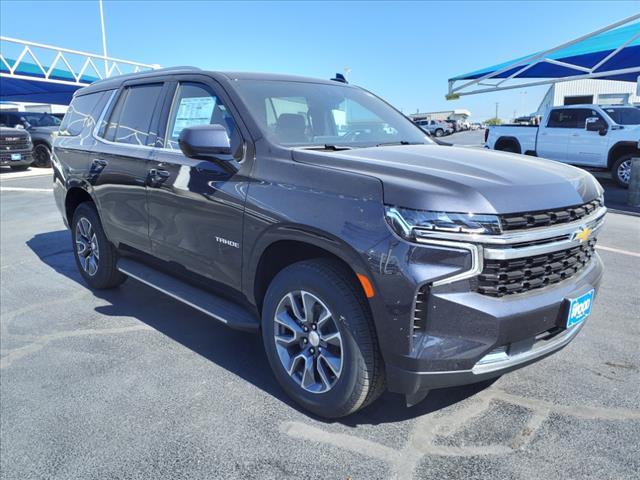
[(196, 206)]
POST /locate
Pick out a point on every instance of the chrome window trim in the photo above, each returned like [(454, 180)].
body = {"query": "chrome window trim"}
[(100, 139), (521, 236)]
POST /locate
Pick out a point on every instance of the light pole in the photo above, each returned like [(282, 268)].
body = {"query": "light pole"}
[(104, 40), (497, 103)]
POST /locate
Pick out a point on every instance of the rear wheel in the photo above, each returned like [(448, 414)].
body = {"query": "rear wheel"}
[(320, 340), (95, 256), (439, 132), (621, 170), (41, 156)]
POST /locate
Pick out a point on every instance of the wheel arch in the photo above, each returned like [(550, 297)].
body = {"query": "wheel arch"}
[(288, 245), (75, 196), (619, 149), (504, 141)]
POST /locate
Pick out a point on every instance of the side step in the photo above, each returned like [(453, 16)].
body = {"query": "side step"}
[(217, 307)]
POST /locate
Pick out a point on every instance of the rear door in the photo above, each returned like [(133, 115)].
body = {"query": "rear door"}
[(553, 138), (196, 206), (119, 162), (587, 148)]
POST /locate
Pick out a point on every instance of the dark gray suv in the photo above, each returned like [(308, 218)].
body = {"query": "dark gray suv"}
[(366, 256)]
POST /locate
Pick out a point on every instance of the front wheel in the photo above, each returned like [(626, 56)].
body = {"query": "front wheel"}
[(95, 256), (41, 156), (439, 132), (621, 170), (319, 338)]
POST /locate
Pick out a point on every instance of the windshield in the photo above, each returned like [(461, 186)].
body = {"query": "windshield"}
[(40, 119), (624, 115), (316, 114)]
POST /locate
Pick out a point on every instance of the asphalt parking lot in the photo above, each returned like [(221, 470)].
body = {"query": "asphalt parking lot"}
[(132, 384)]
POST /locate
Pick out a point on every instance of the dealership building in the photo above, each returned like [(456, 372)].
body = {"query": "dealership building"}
[(602, 92), (458, 114)]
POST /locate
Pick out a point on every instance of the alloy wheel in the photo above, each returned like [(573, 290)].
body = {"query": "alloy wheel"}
[(41, 156), (87, 246), (624, 171), (308, 341)]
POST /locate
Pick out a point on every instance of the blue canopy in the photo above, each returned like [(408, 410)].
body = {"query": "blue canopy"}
[(587, 53), (32, 86)]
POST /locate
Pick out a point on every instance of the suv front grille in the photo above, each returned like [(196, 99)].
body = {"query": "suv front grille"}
[(8, 144), (519, 221), (519, 275)]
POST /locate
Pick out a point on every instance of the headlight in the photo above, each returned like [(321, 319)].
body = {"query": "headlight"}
[(404, 220)]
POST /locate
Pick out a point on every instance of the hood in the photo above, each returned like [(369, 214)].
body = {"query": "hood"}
[(45, 129), (458, 179), (13, 132)]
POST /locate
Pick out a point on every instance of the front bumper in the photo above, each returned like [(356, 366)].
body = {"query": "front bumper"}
[(25, 158), (471, 337)]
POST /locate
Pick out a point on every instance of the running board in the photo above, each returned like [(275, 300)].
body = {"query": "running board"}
[(223, 310)]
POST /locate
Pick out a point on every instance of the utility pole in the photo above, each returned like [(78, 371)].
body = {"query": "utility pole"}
[(497, 103), (104, 41)]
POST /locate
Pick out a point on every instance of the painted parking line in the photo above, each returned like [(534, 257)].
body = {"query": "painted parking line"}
[(618, 250), (26, 189)]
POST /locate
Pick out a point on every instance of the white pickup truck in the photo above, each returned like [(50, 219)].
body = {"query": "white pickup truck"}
[(593, 136)]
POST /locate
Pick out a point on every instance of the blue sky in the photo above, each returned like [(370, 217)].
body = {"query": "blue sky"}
[(403, 51)]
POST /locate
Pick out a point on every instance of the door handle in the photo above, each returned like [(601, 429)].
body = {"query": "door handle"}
[(159, 173), (157, 176)]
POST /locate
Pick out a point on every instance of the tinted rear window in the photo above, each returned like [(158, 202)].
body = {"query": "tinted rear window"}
[(131, 118), (82, 114)]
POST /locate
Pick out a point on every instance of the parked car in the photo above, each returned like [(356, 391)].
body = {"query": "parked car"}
[(316, 214), (585, 135), (455, 125), (15, 148), (41, 126), (435, 128)]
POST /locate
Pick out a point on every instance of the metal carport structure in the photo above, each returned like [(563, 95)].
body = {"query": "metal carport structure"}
[(610, 53), (43, 73)]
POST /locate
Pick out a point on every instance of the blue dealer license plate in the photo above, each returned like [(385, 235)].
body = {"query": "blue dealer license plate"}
[(580, 308), (16, 157)]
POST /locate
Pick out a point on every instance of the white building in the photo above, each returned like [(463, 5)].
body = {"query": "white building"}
[(460, 114), (603, 92)]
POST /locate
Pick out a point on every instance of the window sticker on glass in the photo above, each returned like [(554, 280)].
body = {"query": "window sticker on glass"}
[(193, 111)]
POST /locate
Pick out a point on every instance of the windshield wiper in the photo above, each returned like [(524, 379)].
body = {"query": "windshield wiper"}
[(333, 148), (401, 142)]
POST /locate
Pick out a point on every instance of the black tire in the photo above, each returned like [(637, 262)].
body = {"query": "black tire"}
[(19, 168), (361, 379), (439, 132), (508, 147), (105, 275), (619, 173), (41, 156)]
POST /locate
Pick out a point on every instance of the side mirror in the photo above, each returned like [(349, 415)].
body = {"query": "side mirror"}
[(205, 142), (595, 124)]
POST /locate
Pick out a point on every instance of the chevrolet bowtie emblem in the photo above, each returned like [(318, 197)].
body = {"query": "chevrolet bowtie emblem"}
[(583, 235)]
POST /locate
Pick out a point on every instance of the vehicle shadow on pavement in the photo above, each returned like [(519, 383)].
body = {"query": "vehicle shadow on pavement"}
[(238, 352)]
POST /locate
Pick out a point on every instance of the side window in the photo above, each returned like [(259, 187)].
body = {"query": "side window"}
[(81, 114), (131, 119), (563, 119), (197, 104)]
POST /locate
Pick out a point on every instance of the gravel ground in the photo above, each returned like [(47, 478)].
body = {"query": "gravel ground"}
[(132, 384)]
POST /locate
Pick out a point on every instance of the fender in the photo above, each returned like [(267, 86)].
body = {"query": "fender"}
[(302, 234)]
